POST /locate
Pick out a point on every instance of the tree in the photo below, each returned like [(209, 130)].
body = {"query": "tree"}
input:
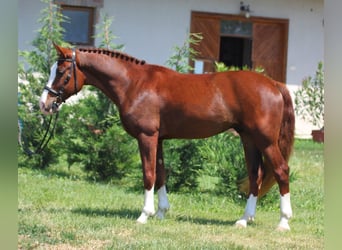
[(34, 69), (106, 35)]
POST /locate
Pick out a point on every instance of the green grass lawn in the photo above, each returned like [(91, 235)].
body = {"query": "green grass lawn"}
[(60, 209)]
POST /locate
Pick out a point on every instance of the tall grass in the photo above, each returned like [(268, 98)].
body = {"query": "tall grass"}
[(61, 209)]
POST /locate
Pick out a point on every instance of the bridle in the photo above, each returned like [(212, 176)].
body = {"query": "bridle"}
[(51, 126), (59, 93)]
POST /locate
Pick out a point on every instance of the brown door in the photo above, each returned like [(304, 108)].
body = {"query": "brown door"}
[(269, 41)]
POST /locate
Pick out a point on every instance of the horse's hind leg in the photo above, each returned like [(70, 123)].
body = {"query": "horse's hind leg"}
[(281, 174), (255, 173), (163, 202)]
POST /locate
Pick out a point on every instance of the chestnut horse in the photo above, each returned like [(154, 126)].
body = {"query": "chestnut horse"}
[(157, 103)]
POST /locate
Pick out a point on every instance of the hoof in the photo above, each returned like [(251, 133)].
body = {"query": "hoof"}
[(142, 218), (161, 213), (241, 224), (282, 228), (283, 225)]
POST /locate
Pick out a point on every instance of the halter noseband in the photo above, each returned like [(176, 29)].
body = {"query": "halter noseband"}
[(59, 93)]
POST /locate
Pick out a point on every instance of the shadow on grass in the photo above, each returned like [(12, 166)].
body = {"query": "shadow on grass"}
[(205, 221), (95, 212), (134, 214)]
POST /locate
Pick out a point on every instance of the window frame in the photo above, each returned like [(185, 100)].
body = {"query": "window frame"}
[(91, 24)]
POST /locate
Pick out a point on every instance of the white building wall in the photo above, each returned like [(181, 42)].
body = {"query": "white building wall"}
[(28, 14), (150, 28)]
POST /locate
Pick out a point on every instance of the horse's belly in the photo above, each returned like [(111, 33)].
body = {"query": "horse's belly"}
[(193, 128)]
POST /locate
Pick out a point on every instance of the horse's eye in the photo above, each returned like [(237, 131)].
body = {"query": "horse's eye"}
[(60, 71)]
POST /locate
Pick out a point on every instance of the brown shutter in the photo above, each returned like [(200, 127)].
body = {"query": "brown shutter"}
[(270, 48), (209, 48)]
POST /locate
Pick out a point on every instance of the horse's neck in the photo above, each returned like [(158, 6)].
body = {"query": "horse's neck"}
[(108, 75)]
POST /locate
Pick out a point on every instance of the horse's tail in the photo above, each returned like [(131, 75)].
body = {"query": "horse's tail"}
[(285, 142)]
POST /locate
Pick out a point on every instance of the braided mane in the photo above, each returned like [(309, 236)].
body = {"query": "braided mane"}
[(112, 53)]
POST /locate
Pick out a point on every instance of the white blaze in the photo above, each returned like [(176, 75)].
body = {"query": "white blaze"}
[(52, 77)]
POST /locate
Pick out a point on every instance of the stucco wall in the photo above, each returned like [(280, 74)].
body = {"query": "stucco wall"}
[(150, 28)]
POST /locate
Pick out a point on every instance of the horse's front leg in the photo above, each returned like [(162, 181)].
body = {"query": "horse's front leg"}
[(148, 153), (163, 202)]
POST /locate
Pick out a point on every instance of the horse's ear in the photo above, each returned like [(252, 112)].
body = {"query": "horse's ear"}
[(62, 52)]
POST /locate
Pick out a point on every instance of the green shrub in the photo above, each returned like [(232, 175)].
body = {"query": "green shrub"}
[(220, 156), (179, 60), (93, 136), (309, 99), (224, 157), (183, 164)]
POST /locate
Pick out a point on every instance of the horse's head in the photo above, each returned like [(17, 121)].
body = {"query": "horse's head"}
[(64, 81)]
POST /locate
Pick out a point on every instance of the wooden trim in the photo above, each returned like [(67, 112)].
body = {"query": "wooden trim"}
[(91, 11), (221, 16)]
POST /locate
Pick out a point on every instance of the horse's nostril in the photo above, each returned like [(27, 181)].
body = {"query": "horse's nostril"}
[(44, 109), (55, 106)]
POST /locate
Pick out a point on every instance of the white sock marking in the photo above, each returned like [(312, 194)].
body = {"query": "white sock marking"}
[(285, 212), (163, 202), (285, 206), (148, 209), (249, 211)]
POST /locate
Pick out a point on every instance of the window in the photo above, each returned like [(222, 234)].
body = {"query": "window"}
[(236, 28), (79, 28)]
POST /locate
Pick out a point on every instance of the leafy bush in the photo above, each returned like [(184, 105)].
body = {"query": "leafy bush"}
[(224, 157), (220, 156), (221, 67), (93, 136), (183, 164), (179, 60), (309, 99)]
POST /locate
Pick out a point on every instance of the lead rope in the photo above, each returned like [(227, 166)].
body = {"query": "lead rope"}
[(43, 143)]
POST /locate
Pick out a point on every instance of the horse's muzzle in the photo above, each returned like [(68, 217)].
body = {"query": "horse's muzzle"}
[(49, 109)]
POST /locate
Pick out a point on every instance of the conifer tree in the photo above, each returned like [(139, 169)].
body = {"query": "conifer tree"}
[(34, 69)]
